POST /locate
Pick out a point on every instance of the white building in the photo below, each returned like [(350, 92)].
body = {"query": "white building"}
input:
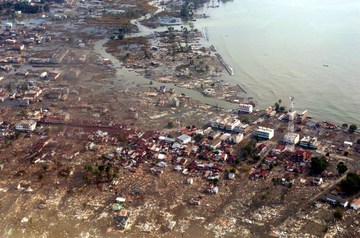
[(348, 144), (291, 115), (26, 125), (242, 128), (236, 138), (228, 123), (248, 108), (309, 142), (231, 124), (8, 25), (184, 139), (264, 132), (291, 138), (317, 181)]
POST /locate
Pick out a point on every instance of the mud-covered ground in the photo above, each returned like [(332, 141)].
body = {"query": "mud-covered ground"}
[(45, 194)]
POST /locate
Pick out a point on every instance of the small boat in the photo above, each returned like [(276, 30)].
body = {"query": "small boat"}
[(325, 65)]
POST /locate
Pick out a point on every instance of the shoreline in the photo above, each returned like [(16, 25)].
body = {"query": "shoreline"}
[(119, 150), (260, 74), (140, 79), (215, 100)]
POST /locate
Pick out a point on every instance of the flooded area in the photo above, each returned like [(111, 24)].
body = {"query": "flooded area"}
[(129, 128), (129, 78)]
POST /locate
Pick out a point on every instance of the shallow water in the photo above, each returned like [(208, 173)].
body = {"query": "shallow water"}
[(302, 48)]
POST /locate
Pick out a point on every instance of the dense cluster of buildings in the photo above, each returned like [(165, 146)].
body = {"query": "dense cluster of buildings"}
[(230, 123), (206, 153)]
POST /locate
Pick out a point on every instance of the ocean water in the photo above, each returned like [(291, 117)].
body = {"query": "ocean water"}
[(309, 49)]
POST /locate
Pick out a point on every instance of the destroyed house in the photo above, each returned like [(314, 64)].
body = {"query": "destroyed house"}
[(261, 148), (302, 155), (122, 222), (259, 174), (270, 160), (279, 149)]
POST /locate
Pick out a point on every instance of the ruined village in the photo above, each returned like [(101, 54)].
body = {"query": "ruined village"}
[(115, 122)]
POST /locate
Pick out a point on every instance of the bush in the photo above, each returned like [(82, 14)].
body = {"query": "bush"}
[(338, 215), (352, 128), (89, 167), (276, 181), (121, 138), (351, 184), (170, 125), (198, 137), (256, 157), (341, 168), (27, 8), (101, 167)]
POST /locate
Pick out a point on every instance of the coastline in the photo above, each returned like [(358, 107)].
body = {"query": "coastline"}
[(245, 97), (108, 158), (223, 92), (272, 69)]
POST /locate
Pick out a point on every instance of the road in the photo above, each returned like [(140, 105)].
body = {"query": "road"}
[(328, 189)]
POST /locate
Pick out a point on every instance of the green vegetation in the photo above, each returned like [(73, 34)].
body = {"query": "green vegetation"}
[(9, 87), (170, 125), (99, 173), (338, 214), (89, 167), (5, 5), (318, 165), (352, 128), (345, 126), (248, 149), (245, 120), (198, 137), (215, 182), (256, 157), (351, 184), (279, 107), (121, 138), (276, 181), (27, 8), (341, 168), (121, 36), (185, 12)]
